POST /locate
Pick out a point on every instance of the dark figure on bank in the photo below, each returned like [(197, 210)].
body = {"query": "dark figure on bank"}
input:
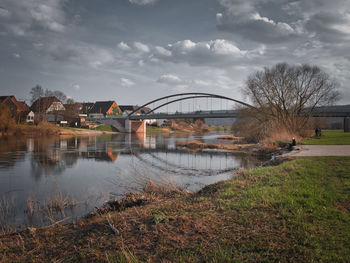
[(291, 145), (318, 132)]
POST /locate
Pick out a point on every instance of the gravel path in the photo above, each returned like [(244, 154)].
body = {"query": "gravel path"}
[(321, 150)]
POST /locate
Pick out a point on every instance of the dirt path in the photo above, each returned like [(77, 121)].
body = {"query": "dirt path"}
[(321, 150)]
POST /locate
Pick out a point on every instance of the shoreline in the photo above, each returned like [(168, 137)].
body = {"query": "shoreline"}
[(81, 132), (236, 147), (242, 217), (50, 130)]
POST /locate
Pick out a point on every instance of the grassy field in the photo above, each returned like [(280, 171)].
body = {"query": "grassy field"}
[(330, 137), (297, 211)]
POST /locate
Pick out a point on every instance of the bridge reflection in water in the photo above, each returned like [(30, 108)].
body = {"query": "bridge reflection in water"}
[(93, 169)]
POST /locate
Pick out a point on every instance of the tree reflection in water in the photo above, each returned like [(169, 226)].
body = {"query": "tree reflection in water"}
[(83, 167)]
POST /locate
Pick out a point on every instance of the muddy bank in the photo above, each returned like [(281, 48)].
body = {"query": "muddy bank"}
[(76, 131), (49, 129), (252, 149), (231, 138)]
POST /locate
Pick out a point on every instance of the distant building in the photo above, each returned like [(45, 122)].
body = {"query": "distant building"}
[(49, 109), (102, 109), (126, 109), (18, 109), (30, 117), (85, 107), (47, 105)]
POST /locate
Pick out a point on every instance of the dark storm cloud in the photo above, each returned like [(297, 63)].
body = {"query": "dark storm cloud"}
[(244, 18), (83, 54), (25, 17), (214, 53), (148, 47), (143, 2), (329, 21)]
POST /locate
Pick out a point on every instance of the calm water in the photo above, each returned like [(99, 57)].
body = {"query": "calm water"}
[(53, 178)]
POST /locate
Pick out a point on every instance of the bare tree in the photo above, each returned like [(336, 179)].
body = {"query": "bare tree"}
[(288, 94), (70, 101), (36, 92), (58, 94)]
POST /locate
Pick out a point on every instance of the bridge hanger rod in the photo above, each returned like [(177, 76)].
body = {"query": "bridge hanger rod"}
[(187, 94), (173, 101)]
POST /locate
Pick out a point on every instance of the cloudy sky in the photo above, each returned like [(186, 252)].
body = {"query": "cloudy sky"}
[(136, 50)]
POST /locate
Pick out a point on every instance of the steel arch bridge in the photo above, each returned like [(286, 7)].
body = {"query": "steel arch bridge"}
[(185, 96)]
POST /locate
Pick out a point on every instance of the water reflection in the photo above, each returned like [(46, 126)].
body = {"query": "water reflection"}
[(89, 169)]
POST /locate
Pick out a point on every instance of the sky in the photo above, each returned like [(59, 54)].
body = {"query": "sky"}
[(133, 51)]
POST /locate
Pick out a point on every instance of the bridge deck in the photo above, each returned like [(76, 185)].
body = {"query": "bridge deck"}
[(215, 114)]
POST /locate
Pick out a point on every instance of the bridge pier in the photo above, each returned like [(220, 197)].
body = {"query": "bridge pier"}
[(125, 125), (347, 124), (134, 126)]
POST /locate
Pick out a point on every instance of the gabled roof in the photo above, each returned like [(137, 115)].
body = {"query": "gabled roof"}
[(131, 108), (127, 107), (2, 98), (101, 107), (43, 103), (22, 106), (13, 104)]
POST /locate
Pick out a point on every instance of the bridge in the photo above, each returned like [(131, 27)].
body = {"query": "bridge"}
[(187, 115), (134, 122)]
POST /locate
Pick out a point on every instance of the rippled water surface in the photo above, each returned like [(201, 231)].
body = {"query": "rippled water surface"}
[(46, 179)]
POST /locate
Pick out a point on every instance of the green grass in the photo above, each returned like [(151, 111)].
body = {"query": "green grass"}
[(106, 128), (330, 137), (298, 211), (220, 128), (152, 129), (70, 128)]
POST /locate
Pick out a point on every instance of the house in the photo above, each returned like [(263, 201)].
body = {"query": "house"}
[(103, 109), (126, 109), (73, 114), (30, 117), (49, 109), (18, 109)]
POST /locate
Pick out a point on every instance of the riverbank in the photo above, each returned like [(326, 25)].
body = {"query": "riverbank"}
[(82, 132), (234, 146), (50, 129), (297, 211)]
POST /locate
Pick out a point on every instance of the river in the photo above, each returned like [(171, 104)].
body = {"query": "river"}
[(46, 179)]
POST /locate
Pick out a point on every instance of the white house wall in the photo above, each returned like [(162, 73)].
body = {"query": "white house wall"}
[(56, 106)]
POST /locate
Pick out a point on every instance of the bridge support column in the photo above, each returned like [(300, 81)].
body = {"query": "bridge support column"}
[(347, 124), (132, 126)]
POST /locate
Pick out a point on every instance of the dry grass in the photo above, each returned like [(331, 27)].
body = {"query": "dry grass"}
[(49, 211), (230, 138), (43, 128), (60, 201), (253, 149), (31, 204), (289, 213)]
